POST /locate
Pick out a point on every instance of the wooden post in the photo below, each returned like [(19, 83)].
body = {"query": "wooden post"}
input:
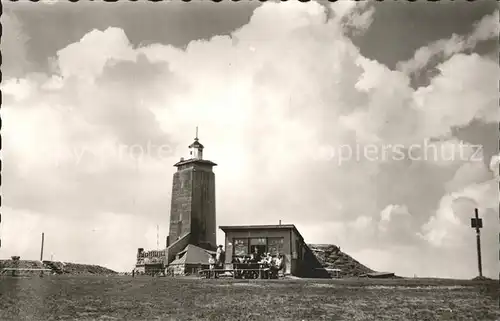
[(477, 224), (41, 250), (478, 238)]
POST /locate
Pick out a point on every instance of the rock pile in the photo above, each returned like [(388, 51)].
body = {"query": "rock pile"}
[(331, 257), (56, 267), (21, 264), (82, 269)]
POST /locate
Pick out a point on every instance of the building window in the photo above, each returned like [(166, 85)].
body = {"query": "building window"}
[(275, 245), (240, 247), (258, 246)]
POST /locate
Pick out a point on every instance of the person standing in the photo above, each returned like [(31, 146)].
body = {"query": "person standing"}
[(220, 257), (211, 263)]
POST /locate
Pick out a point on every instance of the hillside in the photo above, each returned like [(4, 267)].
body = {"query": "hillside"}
[(57, 267), (331, 257)]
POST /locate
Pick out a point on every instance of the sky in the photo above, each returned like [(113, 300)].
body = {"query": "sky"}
[(372, 126)]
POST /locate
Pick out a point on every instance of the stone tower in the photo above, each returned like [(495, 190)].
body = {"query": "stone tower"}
[(192, 211)]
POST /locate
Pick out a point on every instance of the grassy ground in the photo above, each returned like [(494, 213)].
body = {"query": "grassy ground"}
[(145, 298)]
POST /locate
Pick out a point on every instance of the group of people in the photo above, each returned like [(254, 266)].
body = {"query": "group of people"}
[(248, 267), (267, 264)]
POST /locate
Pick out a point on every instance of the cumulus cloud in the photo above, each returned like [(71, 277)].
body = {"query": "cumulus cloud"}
[(495, 164), (80, 59), (99, 136), (396, 225), (468, 173), (485, 29), (354, 16), (450, 227)]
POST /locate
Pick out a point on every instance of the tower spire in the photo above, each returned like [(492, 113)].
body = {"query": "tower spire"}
[(196, 149)]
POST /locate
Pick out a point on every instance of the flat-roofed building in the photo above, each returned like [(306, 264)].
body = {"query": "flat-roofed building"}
[(285, 239)]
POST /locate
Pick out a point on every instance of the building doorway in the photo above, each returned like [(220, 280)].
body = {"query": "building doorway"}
[(258, 246)]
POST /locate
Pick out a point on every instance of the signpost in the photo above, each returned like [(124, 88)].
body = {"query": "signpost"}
[(477, 223)]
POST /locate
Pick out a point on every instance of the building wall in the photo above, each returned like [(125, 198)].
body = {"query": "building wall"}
[(312, 267), (180, 208), (151, 257), (140, 269), (186, 269), (299, 249), (304, 262), (176, 269), (193, 205), (203, 219), (286, 234), (149, 269)]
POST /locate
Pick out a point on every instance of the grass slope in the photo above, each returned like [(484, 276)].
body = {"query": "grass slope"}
[(146, 298)]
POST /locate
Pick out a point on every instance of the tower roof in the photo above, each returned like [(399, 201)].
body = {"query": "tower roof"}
[(198, 161), (196, 152), (196, 143)]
